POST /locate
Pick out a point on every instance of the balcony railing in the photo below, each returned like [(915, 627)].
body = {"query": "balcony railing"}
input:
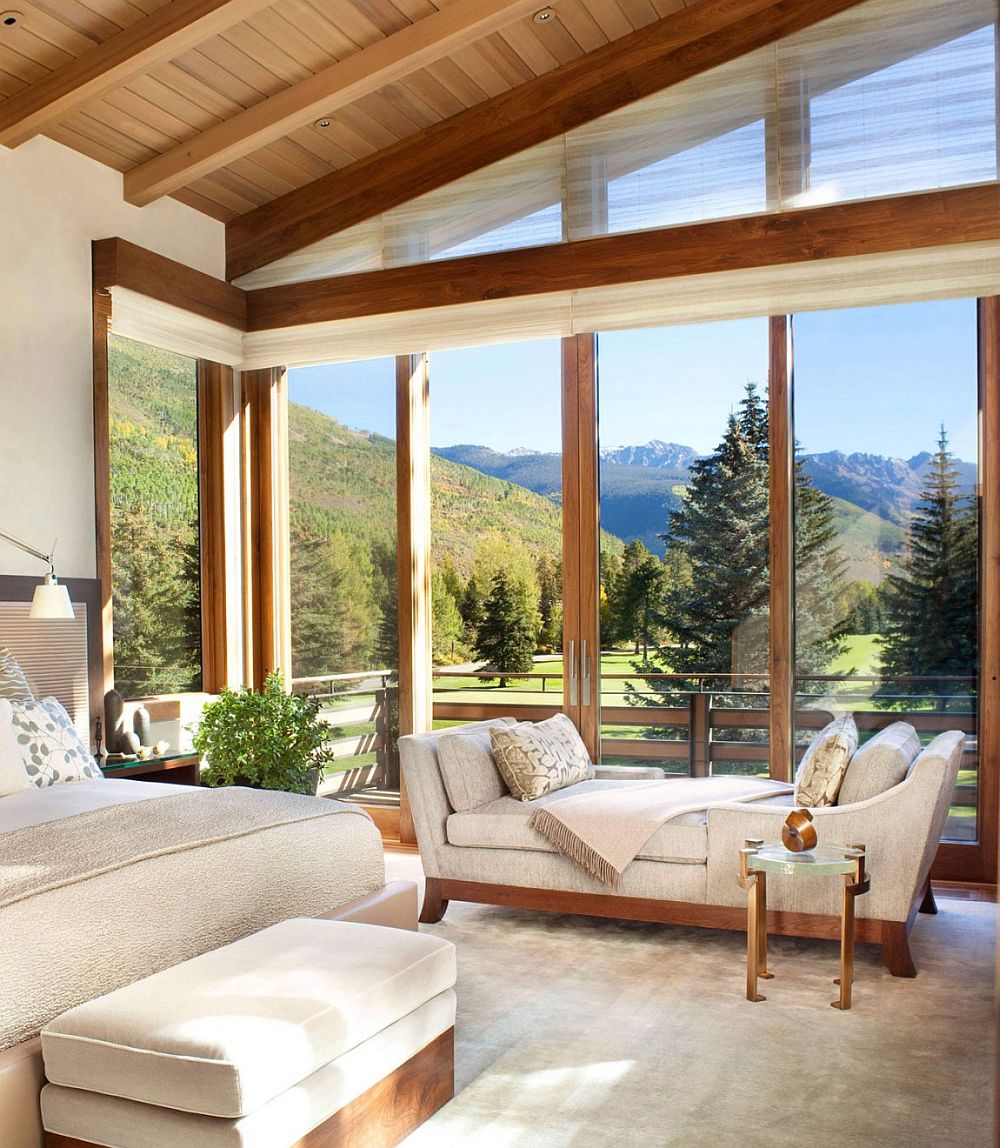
[(699, 724)]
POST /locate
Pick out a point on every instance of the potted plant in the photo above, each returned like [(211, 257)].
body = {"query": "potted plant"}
[(269, 739)]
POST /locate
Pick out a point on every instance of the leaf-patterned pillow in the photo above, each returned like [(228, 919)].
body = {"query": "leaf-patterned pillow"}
[(539, 758), (13, 684), (51, 748)]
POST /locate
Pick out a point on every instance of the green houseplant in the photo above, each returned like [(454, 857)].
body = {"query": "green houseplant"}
[(267, 740)]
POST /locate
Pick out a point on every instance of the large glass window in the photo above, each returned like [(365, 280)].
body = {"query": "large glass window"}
[(155, 551), (886, 539), (496, 474), (342, 524), (685, 547)]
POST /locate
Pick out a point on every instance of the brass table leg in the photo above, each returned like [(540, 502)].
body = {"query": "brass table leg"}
[(855, 884), (756, 886)]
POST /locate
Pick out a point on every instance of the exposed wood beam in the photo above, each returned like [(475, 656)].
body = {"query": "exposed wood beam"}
[(118, 263), (684, 44), (384, 62), (900, 223), (166, 33)]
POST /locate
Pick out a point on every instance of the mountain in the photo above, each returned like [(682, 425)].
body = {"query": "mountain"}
[(873, 495), (888, 487)]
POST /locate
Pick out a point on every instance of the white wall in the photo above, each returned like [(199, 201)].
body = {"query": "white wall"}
[(53, 202)]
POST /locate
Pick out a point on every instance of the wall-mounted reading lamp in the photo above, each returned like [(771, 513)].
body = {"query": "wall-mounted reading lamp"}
[(51, 598)]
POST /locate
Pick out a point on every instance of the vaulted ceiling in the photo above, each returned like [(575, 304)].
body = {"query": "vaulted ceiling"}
[(127, 81)]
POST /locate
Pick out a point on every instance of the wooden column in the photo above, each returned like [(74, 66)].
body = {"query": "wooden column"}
[(581, 540), (782, 562), (413, 556), (264, 482), (215, 414), (102, 476)]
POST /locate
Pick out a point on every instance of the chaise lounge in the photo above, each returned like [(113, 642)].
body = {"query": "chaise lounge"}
[(476, 845)]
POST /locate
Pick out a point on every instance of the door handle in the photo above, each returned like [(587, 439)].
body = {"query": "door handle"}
[(585, 661), (572, 674)]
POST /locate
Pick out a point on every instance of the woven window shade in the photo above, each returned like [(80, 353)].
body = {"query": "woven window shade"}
[(889, 97), (148, 321), (963, 270)]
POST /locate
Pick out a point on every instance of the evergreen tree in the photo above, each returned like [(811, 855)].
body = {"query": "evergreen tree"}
[(549, 575), (505, 640), (610, 569), (447, 628), (637, 591), (715, 604), (931, 604)]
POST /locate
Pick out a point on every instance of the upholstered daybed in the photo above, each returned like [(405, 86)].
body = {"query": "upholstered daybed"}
[(478, 846)]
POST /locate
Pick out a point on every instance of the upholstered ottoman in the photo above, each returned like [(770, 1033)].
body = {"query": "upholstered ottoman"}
[(310, 1033)]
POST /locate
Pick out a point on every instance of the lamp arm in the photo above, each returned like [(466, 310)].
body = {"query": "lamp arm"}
[(47, 558)]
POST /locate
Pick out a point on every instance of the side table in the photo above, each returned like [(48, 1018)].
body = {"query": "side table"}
[(758, 859), (173, 768)]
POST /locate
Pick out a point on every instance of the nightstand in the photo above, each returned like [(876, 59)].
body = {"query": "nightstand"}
[(173, 768)]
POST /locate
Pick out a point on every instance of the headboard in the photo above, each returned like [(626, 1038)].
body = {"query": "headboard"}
[(62, 659)]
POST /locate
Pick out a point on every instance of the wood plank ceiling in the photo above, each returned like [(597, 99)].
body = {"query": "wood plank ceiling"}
[(273, 49)]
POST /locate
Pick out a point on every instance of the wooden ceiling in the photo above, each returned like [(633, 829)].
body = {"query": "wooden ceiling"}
[(197, 75)]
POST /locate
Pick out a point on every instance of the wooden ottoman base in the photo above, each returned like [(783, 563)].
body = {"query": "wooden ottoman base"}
[(379, 1118)]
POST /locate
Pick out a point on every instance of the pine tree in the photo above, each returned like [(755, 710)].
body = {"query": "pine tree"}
[(931, 603), (549, 575), (636, 594), (505, 639), (820, 624)]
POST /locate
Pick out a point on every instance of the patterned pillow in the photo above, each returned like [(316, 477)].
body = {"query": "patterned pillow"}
[(822, 769), (12, 776), (13, 684), (539, 758), (51, 748), (880, 763)]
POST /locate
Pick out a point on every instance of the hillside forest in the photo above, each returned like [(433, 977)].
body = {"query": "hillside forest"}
[(883, 546)]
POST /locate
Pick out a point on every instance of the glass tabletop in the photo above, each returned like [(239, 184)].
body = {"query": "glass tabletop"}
[(160, 759), (824, 860)]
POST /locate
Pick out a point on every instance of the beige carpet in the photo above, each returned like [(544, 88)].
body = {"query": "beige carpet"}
[(578, 1033)]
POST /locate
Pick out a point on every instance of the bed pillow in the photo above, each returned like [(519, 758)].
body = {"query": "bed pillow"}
[(51, 749), (880, 763), (822, 769), (13, 778), (468, 769), (13, 684), (536, 758)]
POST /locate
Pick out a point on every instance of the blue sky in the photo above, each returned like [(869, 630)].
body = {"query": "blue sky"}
[(879, 380)]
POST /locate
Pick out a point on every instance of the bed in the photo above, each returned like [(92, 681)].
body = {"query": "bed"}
[(103, 882)]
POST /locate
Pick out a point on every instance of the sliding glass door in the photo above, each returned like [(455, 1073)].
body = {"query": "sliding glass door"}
[(684, 550)]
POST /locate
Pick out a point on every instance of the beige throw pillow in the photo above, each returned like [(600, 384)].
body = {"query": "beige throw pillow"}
[(822, 769), (880, 763), (539, 758), (469, 773)]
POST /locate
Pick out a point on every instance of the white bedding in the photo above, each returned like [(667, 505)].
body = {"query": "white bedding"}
[(36, 806), (104, 929)]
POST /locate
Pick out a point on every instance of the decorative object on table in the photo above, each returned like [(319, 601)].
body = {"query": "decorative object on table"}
[(114, 721), (129, 742), (141, 726), (98, 733), (798, 833), (117, 758), (51, 599), (266, 740), (160, 748), (758, 859), (51, 748)]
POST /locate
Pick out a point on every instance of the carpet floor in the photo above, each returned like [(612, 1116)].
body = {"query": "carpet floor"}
[(574, 1032)]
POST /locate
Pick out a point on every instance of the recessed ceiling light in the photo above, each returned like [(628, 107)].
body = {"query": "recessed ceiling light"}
[(10, 19), (323, 124), (543, 15)]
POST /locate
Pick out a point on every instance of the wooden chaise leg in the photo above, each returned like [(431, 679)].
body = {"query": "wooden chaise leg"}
[(896, 949), (435, 905), (928, 904)]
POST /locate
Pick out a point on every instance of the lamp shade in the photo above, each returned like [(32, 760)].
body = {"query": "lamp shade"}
[(51, 601)]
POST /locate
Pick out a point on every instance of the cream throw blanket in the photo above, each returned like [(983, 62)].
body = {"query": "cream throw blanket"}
[(604, 830), (38, 859)]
